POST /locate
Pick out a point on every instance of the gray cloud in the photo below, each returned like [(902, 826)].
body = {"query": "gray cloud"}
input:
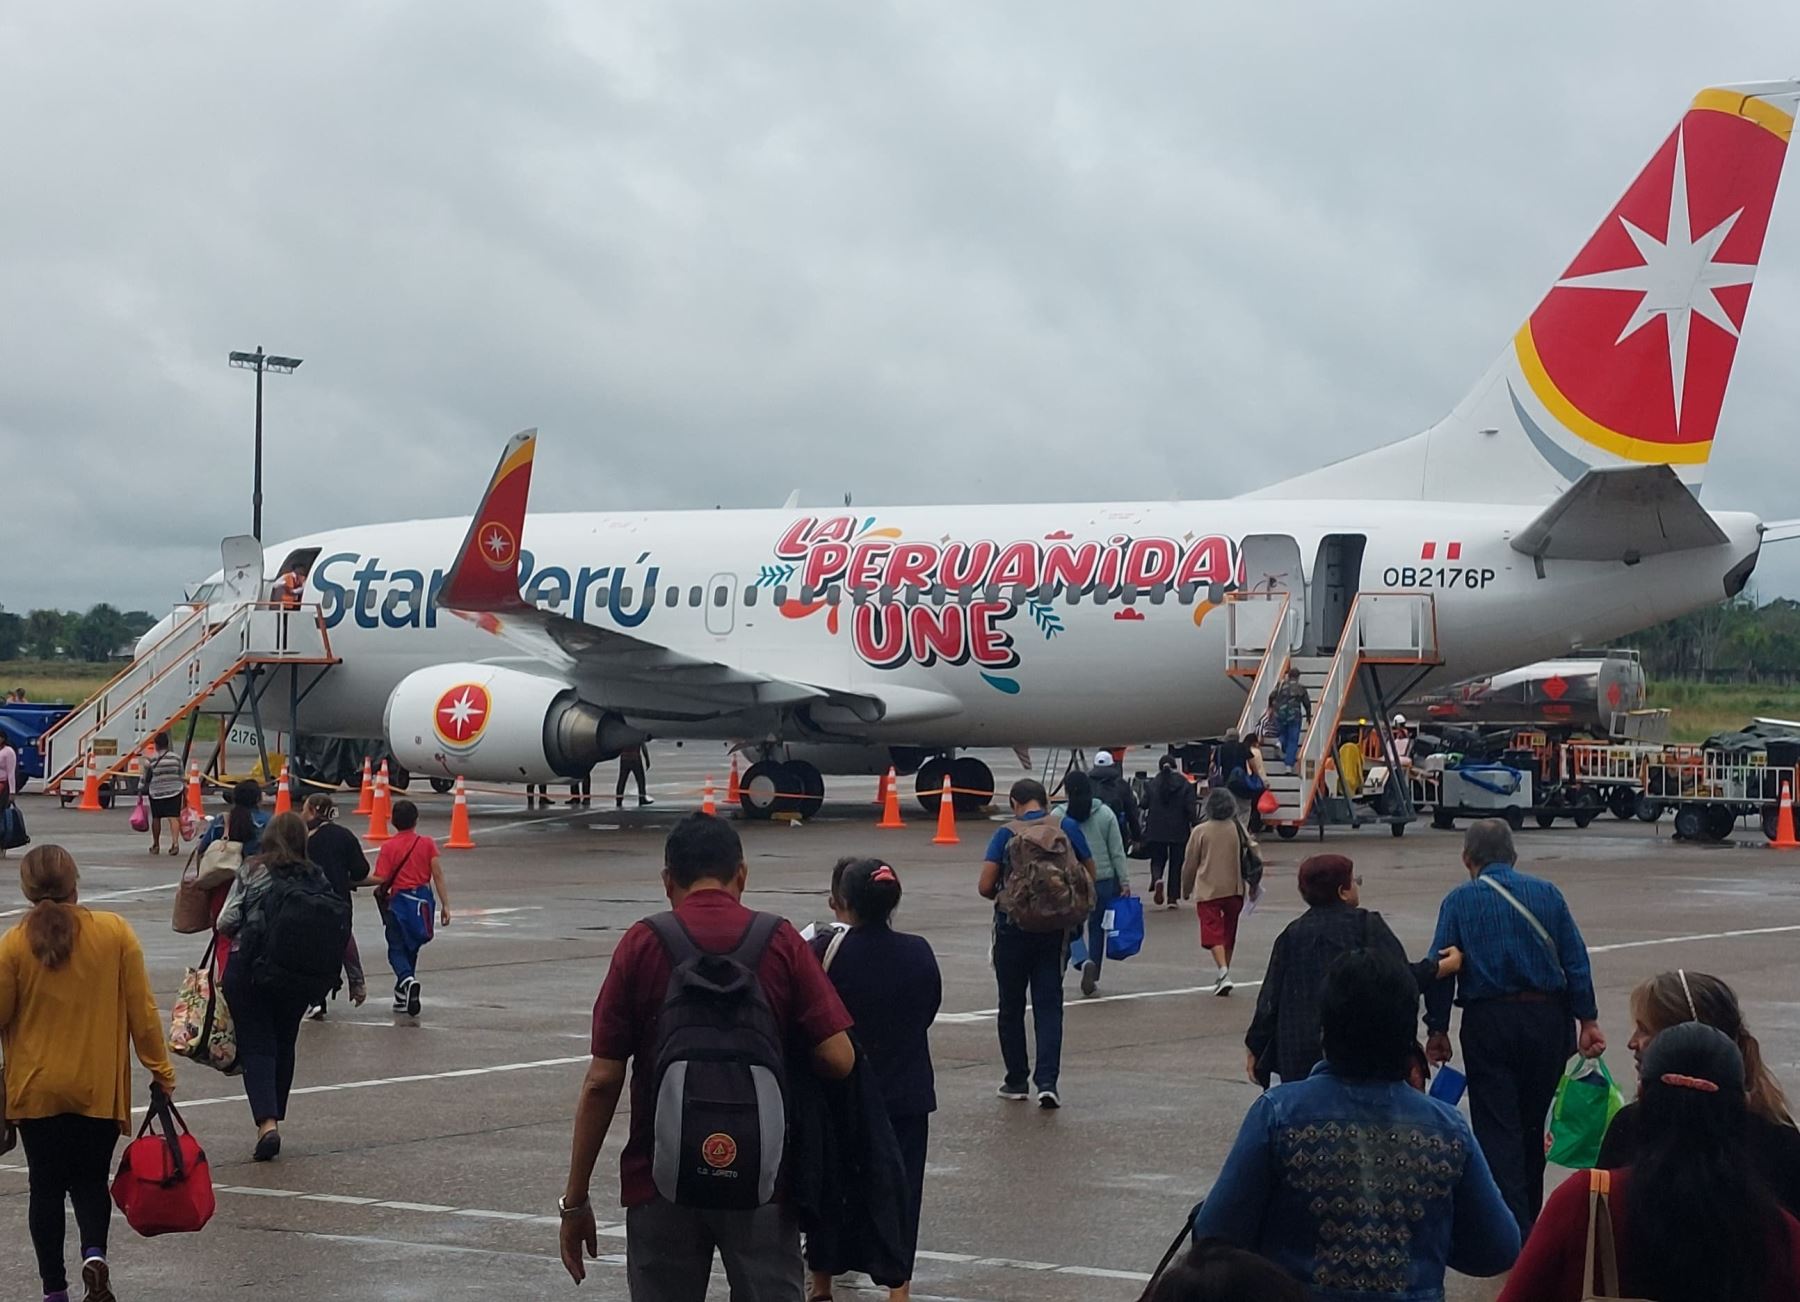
[(715, 251)]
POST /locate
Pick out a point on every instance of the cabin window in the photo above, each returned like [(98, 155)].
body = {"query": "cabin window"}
[(694, 597), (1074, 596), (673, 599), (781, 594), (1101, 596), (624, 598), (1129, 596), (721, 595), (1159, 594), (834, 594), (750, 596), (1187, 593)]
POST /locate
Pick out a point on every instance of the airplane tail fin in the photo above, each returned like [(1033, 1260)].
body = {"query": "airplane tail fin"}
[(1626, 359), (485, 574)]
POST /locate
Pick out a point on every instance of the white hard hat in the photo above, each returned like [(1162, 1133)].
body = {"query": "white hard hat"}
[(1399, 720)]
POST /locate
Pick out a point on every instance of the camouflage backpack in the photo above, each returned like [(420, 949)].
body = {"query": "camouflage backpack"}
[(1045, 887)]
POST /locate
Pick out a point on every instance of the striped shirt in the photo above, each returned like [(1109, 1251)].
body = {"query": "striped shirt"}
[(1503, 953), (162, 775)]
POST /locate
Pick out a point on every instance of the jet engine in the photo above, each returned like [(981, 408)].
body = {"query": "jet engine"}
[(498, 725)]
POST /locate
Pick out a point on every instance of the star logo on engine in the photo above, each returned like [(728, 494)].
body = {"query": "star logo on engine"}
[(462, 715)]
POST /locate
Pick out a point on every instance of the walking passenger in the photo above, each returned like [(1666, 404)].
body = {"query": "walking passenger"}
[(1524, 984), (1030, 961), (73, 995), (1292, 707), (409, 891), (1212, 874), (1351, 1180), (243, 822), (1679, 997), (1112, 870), (670, 1238), (634, 762), (1111, 788), (164, 787), (9, 783), (339, 855), (1170, 812), (289, 927), (1283, 1039), (890, 985), (1691, 1218)]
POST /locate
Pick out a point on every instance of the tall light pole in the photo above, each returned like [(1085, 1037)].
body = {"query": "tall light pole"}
[(259, 362)]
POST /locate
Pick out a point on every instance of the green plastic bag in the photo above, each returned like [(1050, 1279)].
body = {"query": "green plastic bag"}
[(1586, 1101)]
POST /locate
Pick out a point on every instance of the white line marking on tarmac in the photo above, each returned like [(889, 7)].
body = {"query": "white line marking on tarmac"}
[(616, 1230), (988, 1014), (105, 897), (379, 1082), (1703, 935), (567, 814)]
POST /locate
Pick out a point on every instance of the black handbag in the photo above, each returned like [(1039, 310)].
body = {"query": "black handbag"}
[(12, 827), (1187, 1229)]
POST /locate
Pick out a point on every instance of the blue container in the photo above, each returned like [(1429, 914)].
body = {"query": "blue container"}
[(1448, 1086)]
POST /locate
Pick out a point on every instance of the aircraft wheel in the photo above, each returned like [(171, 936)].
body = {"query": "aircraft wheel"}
[(805, 779), (1720, 821), (1690, 823), (974, 784), (1623, 801), (1514, 816), (929, 783), (398, 778), (1546, 820), (1287, 831), (443, 786), (758, 790)]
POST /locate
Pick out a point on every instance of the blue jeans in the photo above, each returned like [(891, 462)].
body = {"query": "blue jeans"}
[(1106, 890), (403, 955), (1030, 961), (1289, 730)]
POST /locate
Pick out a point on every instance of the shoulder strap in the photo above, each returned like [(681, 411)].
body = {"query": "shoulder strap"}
[(837, 943), (1543, 932), (757, 936), (1602, 1248), (674, 937)]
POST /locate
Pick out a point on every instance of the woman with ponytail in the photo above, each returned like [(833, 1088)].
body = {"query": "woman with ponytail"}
[(1691, 1218), (1681, 996), (73, 995), (889, 982)]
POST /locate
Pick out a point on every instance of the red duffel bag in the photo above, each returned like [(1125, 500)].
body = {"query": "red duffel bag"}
[(164, 1185)]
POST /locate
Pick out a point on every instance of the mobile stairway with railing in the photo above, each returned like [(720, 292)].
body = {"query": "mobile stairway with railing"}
[(216, 660), (1391, 632)]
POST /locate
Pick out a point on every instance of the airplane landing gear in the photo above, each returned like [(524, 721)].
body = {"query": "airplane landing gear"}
[(972, 782), (759, 790), (772, 787)]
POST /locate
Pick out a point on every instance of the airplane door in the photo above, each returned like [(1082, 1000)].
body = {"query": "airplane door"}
[(1271, 563), (1337, 575), (242, 581), (721, 598)]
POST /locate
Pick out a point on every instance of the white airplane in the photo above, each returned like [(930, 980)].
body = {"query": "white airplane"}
[(1554, 507)]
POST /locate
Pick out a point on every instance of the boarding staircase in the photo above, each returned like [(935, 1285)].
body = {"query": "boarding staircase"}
[(214, 660), (1381, 629)]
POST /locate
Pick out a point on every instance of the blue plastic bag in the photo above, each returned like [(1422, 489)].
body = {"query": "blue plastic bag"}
[(1125, 929)]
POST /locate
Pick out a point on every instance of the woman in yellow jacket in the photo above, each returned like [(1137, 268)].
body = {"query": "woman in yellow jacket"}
[(72, 990)]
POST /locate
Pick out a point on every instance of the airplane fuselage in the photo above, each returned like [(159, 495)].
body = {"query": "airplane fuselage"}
[(1039, 625)]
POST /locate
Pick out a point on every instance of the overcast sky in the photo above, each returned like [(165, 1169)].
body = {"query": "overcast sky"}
[(716, 251)]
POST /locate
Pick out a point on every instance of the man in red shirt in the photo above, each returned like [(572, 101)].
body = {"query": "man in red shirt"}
[(669, 1249)]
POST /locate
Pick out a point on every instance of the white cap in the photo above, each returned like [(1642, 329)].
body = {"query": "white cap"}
[(1103, 759), (1399, 720)]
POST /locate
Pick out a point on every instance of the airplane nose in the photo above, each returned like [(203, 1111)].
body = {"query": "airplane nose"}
[(157, 633)]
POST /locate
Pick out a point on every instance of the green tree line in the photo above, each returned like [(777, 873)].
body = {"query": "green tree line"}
[(68, 635), (1738, 641)]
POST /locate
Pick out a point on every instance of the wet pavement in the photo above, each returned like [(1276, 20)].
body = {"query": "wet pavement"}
[(424, 1160)]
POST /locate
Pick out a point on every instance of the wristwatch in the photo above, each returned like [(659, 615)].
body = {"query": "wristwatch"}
[(566, 1209)]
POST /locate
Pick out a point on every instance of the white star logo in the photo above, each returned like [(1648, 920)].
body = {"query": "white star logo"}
[(497, 544), (1677, 277), (461, 714)]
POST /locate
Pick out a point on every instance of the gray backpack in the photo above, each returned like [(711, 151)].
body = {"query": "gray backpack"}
[(721, 1114)]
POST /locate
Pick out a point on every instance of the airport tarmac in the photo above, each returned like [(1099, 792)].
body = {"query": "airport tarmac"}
[(424, 1160)]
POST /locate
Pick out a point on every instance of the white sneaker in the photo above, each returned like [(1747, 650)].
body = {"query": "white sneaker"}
[(1223, 985)]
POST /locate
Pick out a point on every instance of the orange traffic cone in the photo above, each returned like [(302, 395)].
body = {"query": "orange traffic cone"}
[(707, 804), (946, 831), (1784, 822), (365, 794), (195, 801), (459, 821), (732, 789), (90, 788), (890, 801), (378, 812), (284, 793)]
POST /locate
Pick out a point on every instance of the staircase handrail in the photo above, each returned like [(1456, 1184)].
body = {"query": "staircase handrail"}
[(1273, 663)]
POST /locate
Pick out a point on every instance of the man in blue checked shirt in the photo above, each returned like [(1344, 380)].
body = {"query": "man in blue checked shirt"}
[(1524, 985)]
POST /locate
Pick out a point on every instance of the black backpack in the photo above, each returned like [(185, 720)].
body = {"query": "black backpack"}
[(721, 1114), (306, 926)]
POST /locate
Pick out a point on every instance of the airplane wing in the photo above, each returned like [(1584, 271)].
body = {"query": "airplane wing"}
[(615, 668), (1620, 514), (1780, 531)]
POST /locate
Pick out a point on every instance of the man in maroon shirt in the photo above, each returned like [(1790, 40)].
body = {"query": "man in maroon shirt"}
[(669, 1249)]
